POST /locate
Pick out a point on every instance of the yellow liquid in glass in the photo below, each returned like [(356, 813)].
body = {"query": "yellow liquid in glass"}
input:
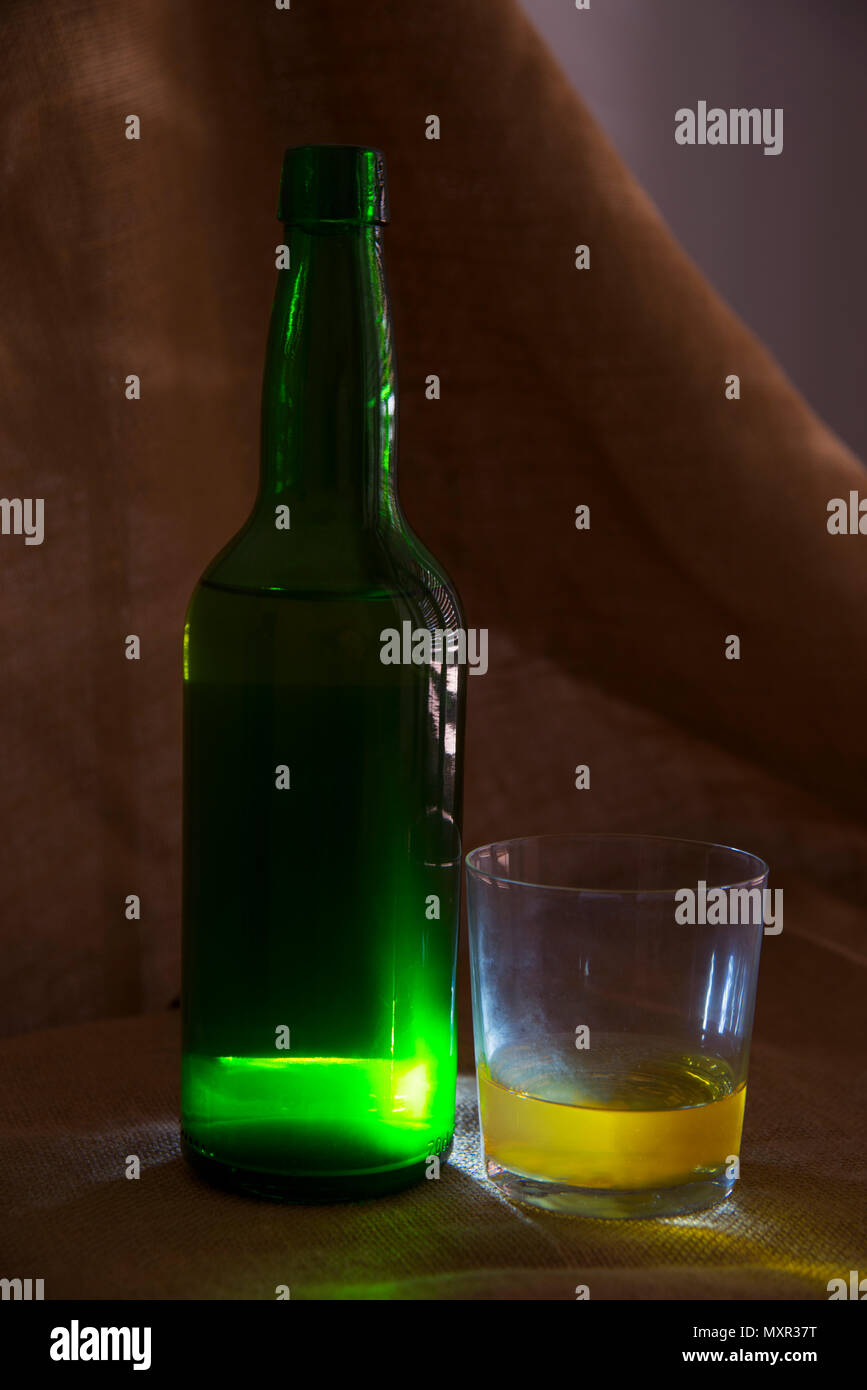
[(659, 1122)]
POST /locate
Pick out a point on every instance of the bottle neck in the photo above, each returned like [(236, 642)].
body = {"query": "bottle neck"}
[(329, 397)]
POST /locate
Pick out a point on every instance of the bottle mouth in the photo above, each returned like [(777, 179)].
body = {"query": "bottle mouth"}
[(333, 184)]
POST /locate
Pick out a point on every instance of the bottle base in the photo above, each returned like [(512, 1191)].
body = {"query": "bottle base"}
[(305, 1189)]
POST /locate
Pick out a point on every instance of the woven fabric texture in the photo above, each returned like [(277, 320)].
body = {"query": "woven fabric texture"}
[(79, 1101)]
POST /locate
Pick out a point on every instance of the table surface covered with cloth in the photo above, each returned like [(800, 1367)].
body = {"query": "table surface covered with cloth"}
[(78, 1102)]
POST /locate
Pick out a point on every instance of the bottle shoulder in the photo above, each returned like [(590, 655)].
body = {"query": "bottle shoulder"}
[(323, 563)]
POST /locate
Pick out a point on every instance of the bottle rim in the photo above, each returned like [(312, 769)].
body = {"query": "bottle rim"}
[(333, 184)]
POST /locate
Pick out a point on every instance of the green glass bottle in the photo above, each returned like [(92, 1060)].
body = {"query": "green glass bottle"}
[(322, 777)]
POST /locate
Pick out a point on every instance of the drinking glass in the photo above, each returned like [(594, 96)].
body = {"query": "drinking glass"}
[(614, 981)]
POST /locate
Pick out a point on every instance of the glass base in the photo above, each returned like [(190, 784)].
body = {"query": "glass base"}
[(611, 1204), (305, 1189)]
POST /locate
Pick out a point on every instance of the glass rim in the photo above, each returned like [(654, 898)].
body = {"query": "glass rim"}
[(585, 837)]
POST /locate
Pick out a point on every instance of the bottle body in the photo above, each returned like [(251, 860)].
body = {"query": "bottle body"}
[(322, 803)]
